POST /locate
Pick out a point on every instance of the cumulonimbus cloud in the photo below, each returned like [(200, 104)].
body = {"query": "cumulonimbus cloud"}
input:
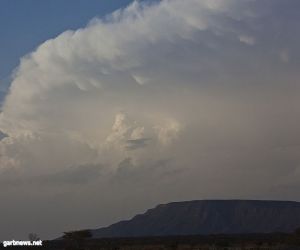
[(201, 93)]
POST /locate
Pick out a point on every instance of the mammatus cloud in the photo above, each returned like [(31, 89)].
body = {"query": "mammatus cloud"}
[(169, 101)]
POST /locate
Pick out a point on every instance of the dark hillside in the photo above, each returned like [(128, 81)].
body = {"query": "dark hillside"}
[(205, 217)]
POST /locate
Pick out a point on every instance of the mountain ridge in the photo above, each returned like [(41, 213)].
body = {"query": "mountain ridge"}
[(234, 216)]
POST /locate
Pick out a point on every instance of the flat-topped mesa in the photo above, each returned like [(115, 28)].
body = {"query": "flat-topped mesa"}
[(203, 217)]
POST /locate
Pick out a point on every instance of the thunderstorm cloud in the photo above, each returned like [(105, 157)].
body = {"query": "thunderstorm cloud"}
[(164, 101)]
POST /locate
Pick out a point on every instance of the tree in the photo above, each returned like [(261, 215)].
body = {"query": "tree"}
[(78, 235), (33, 237), (75, 239)]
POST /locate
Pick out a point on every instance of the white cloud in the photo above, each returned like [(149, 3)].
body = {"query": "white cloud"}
[(249, 40), (166, 99)]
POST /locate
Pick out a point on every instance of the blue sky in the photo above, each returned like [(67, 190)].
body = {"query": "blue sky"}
[(26, 24)]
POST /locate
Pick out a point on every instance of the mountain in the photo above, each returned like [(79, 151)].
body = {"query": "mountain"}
[(209, 217)]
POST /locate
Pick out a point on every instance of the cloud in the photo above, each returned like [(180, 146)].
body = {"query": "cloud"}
[(249, 40), (77, 175), (284, 56), (2, 135), (72, 175), (156, 102), (136, 143)]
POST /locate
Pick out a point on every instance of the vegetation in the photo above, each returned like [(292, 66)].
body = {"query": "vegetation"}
[(33, 237), (77, 235), (81, 240), (75, 240)]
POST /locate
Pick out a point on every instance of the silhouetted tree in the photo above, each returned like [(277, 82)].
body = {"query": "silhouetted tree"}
[(76, 238), (33, 237), (78, 235)]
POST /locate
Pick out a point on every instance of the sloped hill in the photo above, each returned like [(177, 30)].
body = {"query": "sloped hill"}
[(209, 217)]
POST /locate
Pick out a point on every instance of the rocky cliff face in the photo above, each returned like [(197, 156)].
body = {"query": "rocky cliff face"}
[(209, 217)]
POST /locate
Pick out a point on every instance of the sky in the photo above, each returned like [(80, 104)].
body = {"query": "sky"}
[(26, 24), (147, 103)]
